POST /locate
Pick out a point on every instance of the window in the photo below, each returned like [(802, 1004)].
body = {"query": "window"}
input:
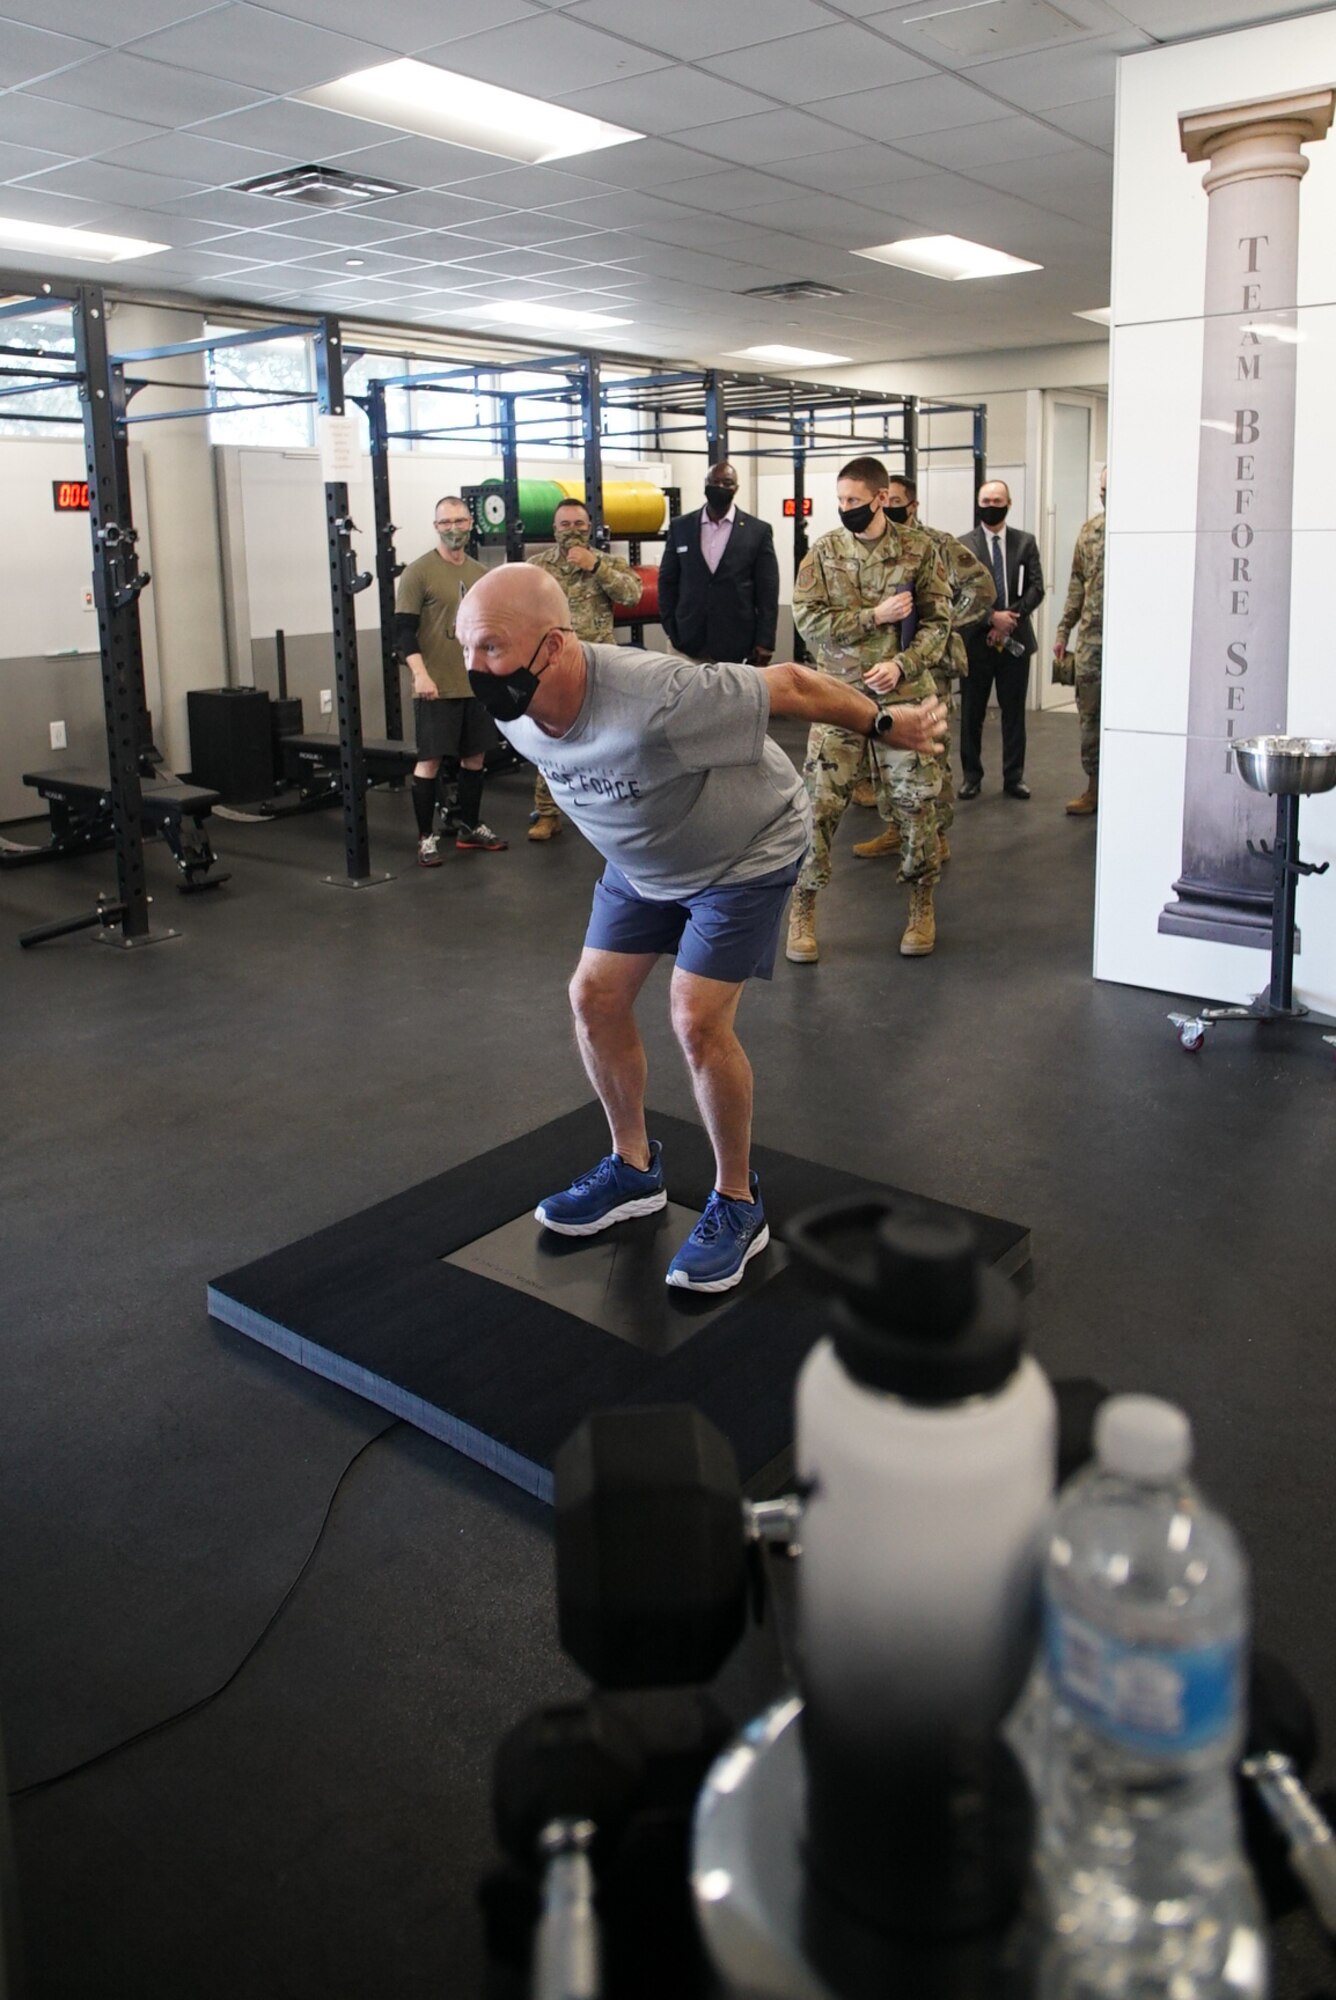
[(274, 368), (398, 413), (467, 415), (32, 415), (545, 427)]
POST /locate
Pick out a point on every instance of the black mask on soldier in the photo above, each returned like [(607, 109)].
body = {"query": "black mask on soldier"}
[(718, 500), (993, 517), (857, 519), (506, 696), (897, 514)]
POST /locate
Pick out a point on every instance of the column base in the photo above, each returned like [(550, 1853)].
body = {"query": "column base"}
[(1217, 916)]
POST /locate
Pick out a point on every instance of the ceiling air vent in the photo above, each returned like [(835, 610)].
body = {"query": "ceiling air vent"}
[(321, 187), (799, 288)]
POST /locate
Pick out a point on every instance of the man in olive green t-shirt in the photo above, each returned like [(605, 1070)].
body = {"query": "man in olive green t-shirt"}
[(448, 719)]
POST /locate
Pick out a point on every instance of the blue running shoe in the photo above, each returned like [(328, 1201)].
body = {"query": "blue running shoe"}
[(723, 1243), (611, 1192)]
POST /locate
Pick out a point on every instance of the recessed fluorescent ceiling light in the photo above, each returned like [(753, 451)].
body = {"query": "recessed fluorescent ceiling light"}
[(951, 257), (522, 312), (418, 97), (84, 245), (808, 355), (1102, 315)]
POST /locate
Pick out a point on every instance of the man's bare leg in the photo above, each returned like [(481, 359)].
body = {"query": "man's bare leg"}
[(721, 1076), (603, 996)]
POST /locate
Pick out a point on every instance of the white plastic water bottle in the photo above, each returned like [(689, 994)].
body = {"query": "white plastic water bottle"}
[(1146, 1891)]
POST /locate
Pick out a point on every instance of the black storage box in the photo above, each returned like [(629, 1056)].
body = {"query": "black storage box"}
[(231, 742)]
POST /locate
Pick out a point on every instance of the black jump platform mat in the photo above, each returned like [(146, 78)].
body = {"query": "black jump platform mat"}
[(449, 1306)]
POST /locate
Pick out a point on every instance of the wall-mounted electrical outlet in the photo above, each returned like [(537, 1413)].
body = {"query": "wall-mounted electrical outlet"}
[(327, 701), (88, 603), (59, 740)]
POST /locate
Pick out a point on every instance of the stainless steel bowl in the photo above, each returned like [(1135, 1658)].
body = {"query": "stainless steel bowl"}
[(1277, 764)]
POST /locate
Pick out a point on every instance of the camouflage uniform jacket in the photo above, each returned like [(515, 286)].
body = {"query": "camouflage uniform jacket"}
[(973, 593), (592, 592), (1085, 593), (841, 581)]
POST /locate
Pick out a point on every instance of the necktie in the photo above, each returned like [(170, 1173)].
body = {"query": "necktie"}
[(999, 564)]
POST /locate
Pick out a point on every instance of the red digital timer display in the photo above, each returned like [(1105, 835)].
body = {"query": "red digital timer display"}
[(70, 496), (791, 508)]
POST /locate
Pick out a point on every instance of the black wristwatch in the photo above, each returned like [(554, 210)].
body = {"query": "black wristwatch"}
[(885, 716)]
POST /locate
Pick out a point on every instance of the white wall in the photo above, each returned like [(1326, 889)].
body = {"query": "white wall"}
[(1160, 220)]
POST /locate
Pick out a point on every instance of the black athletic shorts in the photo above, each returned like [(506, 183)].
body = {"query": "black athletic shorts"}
[(453, 726)]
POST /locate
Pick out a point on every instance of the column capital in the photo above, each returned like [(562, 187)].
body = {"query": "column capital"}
[(1259, 138)]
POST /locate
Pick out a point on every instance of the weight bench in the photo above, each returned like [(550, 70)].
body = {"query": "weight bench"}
[(79, 802), (311, 763)]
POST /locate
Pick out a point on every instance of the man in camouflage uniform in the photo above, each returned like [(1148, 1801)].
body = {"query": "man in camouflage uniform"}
[(973, 595), (855, 589), (593, 582), (1085, 607)]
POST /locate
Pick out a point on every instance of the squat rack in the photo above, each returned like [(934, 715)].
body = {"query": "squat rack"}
[(117, 579), (107, 392), (794, 421)]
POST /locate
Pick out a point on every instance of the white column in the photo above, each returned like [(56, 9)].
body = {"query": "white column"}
[(1241, 596), (182, 525)]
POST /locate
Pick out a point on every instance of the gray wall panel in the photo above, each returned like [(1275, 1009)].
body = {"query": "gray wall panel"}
[(34, 693)]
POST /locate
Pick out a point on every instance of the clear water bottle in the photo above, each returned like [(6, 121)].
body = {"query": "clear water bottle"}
[(1147, 1894)]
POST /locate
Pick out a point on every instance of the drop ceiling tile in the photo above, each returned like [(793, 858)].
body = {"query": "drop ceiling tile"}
[(18, 161), (30, 121), (180, 231), (728, 190), (206, 162), (413, 161), (993, 143), (804, 69), (760, 141), (1054, 182), (650, 164), (297, 132), (1056, 76), (109, 26), (98, 180), (511, 263), (230, 210), (252, 45), (527, 187), (545, 56), (825, 216), (28, 53), (164, 95), (1169, 20), (410, 25), (627, 209), (902, 110), (858, 171), (185, 261), (257, 246), (433, 210), (667, 100), (690, 29), (24, 201), (333, 258), (1091, 120), (524, 228)]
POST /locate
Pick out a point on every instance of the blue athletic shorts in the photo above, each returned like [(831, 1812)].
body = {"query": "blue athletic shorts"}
[(729, 933)]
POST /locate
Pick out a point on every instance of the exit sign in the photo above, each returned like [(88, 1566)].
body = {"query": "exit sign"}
[(69, 496), (791, 508)]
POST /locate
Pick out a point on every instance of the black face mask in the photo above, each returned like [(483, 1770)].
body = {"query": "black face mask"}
[(857, 519), (506, 696), (897, 514), (993, 517), (719, 499)]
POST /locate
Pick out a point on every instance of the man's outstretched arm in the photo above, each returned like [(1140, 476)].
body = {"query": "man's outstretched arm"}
[(816, 697)]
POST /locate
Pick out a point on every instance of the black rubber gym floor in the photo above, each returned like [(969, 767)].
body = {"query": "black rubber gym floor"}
[(304, 1053)]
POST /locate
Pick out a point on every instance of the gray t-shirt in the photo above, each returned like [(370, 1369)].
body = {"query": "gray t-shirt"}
[(668, 771)]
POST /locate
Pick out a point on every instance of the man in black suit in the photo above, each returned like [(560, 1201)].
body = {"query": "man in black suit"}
[(1000, 648), (719, 580)]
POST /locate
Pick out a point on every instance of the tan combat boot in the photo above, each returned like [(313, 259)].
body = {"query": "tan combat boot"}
[(546, 827), (1087, 803), (865, 793), (802, 928), (921, 930), (887, 842)]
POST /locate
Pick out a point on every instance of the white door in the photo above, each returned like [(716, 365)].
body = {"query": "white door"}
[(1070, 493)]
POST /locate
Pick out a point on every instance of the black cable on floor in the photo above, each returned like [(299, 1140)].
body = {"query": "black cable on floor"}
[(181, 1714)]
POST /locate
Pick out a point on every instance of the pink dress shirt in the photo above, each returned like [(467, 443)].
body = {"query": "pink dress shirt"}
[(714, 536)]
